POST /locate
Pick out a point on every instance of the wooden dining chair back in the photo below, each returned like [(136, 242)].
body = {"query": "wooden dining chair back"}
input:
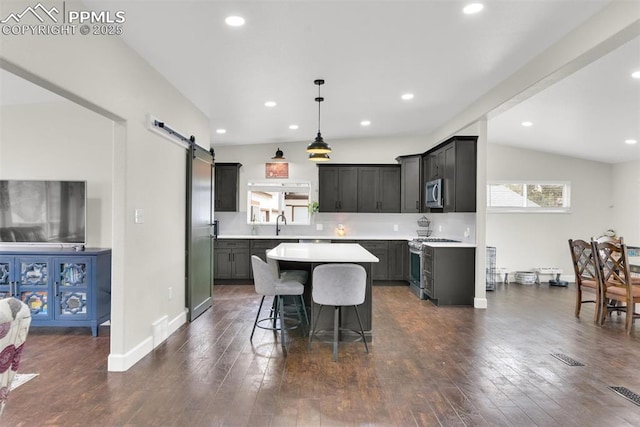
[(584, 268), (616, 281)]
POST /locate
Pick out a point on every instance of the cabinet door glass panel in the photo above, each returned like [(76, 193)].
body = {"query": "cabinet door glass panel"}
[(37, 302), (73, 274), (5, 279), (34, 273), (73, 303)]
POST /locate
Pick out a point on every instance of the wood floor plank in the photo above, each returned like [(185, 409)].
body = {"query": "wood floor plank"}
[(428, 366)]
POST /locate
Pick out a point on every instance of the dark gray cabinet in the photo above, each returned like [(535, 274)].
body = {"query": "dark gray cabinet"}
[(410, 183), (227, 177), (380, 249), (232, 259), (379, 188), (449, 275), (338, 188), (359, 188), (398, 260), (454, 161)]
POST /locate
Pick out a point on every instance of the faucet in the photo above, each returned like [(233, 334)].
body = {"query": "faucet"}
[(284, 218)]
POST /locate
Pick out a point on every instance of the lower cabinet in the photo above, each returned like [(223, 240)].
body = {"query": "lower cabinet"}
[(232, 259), (380, 249), (398, 260), (393, 256), (78, 284), (449, 275)]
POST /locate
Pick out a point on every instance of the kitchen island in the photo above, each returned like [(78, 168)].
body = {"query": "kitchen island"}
[(308, 255)]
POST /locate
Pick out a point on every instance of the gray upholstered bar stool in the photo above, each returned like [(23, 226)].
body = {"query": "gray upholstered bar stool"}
[(298, 275), (267, 283), (339, 285)]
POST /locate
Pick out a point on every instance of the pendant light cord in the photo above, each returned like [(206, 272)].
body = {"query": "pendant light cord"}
[(319, 101)]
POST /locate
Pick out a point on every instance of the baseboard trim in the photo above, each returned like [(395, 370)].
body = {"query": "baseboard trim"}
[(122, 362), (480, 303)]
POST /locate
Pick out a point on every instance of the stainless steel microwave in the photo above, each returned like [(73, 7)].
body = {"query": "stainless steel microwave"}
[(433, 193)]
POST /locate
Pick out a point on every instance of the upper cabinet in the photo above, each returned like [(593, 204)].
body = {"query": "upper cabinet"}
[(227, 177), (359, 188), (338, 188), (379, 188), (454, 161), (410, 178)]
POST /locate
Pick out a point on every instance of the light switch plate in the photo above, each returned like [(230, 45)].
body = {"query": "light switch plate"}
[(318, 227), (395, 227), (138, 216)]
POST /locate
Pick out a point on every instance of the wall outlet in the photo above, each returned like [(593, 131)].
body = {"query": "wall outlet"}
[(395, 227), (467, 232), (318, 227), (439, 229), (170, 293)]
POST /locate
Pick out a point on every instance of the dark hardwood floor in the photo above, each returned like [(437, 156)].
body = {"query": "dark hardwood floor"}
[(428, 366)]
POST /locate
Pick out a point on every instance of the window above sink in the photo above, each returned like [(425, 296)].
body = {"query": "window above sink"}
[(266, 200)]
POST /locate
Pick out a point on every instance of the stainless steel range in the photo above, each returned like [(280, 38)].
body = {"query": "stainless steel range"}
[(416, 265)]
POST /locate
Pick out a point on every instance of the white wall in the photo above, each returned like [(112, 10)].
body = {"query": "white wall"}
[(107, 76), (527, 240), (626, 201), (54, 141)]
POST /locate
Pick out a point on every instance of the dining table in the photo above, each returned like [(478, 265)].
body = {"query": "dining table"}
[(306, 256)]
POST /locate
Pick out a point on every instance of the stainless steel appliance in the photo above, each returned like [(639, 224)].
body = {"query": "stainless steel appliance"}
[(415, 268), (416, 264), (433, 194)]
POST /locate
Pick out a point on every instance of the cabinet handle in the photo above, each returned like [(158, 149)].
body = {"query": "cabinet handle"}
[(233, 257), (229, 256), (417, 205)]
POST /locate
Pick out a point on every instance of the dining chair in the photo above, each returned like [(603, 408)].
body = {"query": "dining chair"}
[(267, 283), (339, 285), (585, 270), (616, 281)]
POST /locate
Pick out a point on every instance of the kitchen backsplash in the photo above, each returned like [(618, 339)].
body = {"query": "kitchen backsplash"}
[(458, 226)]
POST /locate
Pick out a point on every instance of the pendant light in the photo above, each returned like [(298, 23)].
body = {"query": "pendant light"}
[(318, 150)]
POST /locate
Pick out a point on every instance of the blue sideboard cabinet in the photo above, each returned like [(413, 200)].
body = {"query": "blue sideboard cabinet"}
[(62, 287)]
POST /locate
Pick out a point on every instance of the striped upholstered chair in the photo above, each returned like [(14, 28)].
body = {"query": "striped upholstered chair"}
[(15, 318)]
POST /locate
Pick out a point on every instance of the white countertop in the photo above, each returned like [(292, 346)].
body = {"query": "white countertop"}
[(450, 244), (316, 237), (321, 252), (335, 238)]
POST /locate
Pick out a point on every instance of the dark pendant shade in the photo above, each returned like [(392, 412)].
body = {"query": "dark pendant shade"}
[(318, 146), (319, 157)]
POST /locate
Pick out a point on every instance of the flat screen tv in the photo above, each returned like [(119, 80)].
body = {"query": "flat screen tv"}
[(43, 212)]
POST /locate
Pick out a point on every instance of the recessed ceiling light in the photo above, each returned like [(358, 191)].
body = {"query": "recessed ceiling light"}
[(630, 141), (293, 127), (270, 104), (221, 131), (407, 96), (527, 124), (234, 21), (365, 123), (636, 74), (473, 8)]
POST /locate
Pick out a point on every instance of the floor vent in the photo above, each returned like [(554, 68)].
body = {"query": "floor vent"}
[(566, 359), (627, 394)]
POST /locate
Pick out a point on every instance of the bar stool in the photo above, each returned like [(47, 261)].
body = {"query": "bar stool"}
[(339, 285), (267, 283)]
